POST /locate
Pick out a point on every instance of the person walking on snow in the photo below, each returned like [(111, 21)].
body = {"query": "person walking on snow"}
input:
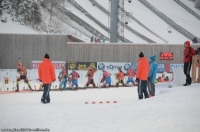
[(152, 75), (63, 77), (187, 58), (46, 73), (142, 75)]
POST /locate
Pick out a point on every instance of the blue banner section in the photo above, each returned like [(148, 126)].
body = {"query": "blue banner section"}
[(161, 68), (175, 66)]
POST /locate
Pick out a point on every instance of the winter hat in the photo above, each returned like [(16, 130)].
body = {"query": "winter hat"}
[(153, 58), (141, 55), (46, 56), (187, 43)]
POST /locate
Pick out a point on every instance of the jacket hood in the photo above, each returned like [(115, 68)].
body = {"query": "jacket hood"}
[(187, 43), (153, 58)]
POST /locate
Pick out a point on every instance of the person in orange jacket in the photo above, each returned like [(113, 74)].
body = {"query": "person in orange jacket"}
[(120, 77), (46, 73), (187, 58), (23, 75), (90, 75), (142, 76)]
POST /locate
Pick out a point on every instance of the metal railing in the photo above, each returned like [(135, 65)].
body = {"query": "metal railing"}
[(168, 20), (188, 9)]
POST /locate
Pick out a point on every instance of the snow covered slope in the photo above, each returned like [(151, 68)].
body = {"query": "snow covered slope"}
[(190, 4), (139, 11), (87, 5), (14, 27), (153, 22), (178, 14)]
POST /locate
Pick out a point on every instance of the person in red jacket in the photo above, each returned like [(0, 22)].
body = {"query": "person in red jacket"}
[(187, 58), (120, 77), (23, 75), (46, 73), (142, 76), (90, 75)]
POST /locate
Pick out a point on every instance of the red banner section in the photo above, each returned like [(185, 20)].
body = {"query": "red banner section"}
[(57, 64)]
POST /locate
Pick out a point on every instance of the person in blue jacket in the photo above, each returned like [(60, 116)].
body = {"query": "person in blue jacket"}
[(74, 75), (152, 75)]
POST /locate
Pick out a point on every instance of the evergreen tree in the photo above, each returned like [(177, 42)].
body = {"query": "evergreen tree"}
[(36, 14)]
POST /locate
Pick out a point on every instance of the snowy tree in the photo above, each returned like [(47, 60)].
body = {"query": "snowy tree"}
[(36, 15), (7, 6)]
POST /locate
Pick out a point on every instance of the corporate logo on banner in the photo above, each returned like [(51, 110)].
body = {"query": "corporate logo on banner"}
[(57, 64), (175, 66), (80, 65), (113, 65), (161, 67)]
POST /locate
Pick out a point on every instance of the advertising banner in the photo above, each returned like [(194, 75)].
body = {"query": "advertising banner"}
[(80, 65), (113, 66), (175, 66), (161, 68), (57, 64)]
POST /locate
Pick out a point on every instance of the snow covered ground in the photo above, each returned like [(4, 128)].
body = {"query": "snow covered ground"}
[(172, 109)]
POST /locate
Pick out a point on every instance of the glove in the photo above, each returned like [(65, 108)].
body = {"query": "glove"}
[(137, 79), (101, 80), (39, 80), (187, 56), (54, 80)]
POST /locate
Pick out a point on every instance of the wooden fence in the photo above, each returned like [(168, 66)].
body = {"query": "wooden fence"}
[(34, 46)]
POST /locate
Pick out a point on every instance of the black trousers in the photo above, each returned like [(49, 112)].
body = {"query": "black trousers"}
[(151, 86), (142, 89), (187, 68), (46, 96)]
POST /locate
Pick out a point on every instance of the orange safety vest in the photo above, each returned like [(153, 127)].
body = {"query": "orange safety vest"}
[(75, 75), (106, 74), (64, 73), (121, 75), (22, 70), (130, 73), (90, 74)]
